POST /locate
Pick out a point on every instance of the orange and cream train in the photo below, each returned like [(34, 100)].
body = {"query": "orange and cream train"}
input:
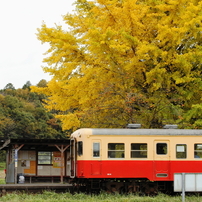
[(134, 160)]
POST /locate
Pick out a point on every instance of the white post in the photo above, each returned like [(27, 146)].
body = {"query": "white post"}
[(16, 161), (183, 187), (16, 165)]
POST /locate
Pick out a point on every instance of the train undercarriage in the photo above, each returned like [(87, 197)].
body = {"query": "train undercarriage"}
[(123, 186)]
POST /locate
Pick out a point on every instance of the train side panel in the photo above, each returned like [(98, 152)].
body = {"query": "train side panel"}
[(160, 156), (115, 169), (136, 169)]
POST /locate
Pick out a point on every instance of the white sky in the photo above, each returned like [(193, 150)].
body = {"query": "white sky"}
[(21, 53)]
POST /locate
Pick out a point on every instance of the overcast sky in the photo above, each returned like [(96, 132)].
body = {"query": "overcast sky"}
[(21, 54)]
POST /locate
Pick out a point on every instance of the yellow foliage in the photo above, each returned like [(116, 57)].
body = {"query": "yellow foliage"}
[(70, 121), (117, 48)]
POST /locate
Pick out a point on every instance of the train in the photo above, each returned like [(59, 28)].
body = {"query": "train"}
[(133, 160)]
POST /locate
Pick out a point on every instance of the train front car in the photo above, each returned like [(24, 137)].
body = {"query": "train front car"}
[(134, 160)]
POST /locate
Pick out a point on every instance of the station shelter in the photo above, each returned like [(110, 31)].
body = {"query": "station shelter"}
[(37, 160)]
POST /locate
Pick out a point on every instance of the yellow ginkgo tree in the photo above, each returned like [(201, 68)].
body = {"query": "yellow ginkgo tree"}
[(125, 61)]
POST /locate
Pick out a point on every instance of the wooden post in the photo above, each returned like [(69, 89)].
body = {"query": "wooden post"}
[(62, 150)]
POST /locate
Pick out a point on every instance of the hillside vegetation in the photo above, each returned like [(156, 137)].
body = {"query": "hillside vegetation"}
[(22, 115)]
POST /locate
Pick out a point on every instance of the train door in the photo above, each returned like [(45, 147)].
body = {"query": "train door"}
[(161, 159), (96, 163), (72, 158)]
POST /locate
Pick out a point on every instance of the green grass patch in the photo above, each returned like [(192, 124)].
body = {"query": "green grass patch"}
[(2, 181), (2, 166), (104, 197), (2, 172)]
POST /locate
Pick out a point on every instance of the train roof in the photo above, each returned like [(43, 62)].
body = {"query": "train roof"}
[(152, 132)]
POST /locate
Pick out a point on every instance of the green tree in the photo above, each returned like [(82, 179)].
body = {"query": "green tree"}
[(42, 83), (125, 61), (27, 85), (23, 116), (10, 86)]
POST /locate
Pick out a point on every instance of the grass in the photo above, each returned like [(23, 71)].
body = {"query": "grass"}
[(2, 172), (2, 166), (67, 197)]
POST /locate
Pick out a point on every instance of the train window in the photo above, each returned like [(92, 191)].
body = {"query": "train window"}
[(161, 148), (96, 149), (181, 151), (45, 158), (138, 150), (198, 150), (116, 150), (80, 148)]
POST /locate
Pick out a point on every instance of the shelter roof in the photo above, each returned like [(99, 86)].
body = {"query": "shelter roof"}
[(32, 144)]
